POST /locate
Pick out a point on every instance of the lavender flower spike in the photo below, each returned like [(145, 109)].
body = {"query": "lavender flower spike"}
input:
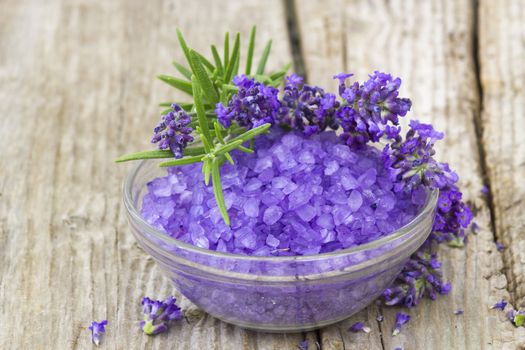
[(97, 329), (359, 327), (157, 315), (253, 105), (517, 318), (401, 319), (173, 132), (303, 345), (500, 305)]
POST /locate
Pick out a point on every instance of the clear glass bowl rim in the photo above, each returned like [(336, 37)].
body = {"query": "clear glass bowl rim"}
[(144, 225)]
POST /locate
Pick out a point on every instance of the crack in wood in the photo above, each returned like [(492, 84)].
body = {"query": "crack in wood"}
[(482, 152), (292, 25), (380, 309)]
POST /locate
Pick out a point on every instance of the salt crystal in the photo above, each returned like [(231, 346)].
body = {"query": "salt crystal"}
[(306, 157), (287, 164), (280, 182), (368, 178), (291, 140), (266, 175), (272, 215), (289, 188), (355, 200), (325, 221), (299, 197), (247, 240), (251, 207), (161, 187), (331, 167), (196, 211), (349, 182), (340, 214), (262, 164), (306, 212), (343, 152), (272, 241), (252, 185), (295, 196)]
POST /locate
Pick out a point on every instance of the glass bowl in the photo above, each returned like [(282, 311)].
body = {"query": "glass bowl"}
[(276, 294)]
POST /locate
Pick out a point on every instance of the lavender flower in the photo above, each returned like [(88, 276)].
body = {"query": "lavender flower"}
[(401, 319), (517, 317), (500, 305), (380, 318), (157, 315), (173, 131), (253, 105), (359, 327), (420, 277), (458, 312), (371, 110), (307, 108), (303, 345), (411, 165), (500, 247), (97, 329), (475, 228)]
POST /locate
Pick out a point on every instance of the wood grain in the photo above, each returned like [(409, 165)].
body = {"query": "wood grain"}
[(502, 57), (431, 46), (77, 89)]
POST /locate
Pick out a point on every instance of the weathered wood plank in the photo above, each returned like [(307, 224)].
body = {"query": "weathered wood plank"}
[(78, 89), (430, 45), (502, 57)]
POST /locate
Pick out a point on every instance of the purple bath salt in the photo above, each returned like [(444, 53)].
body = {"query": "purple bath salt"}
[(294, 196)]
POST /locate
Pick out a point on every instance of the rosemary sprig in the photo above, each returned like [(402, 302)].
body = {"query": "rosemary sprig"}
[(210, 82)]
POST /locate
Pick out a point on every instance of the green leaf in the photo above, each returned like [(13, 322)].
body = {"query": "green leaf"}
[(193, 151), (217, 60), (217, 190), (205, 61), (233, 59), (229, 158), (183, 45), (230, 87), (199, 108), (245, 149), (182, 161), (251, 46), (153, 154), (263, 79), (457, 242), (228, 147), (236, 66), (177, 83), (264, 58), (184, 105), (226, 57), (218, 131), (207, 170), (202, 77), (519, 320), (281, 73), (182, 70), (250, 134)]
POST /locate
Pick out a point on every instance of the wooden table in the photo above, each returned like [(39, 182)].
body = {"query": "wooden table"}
[(77, 89)]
